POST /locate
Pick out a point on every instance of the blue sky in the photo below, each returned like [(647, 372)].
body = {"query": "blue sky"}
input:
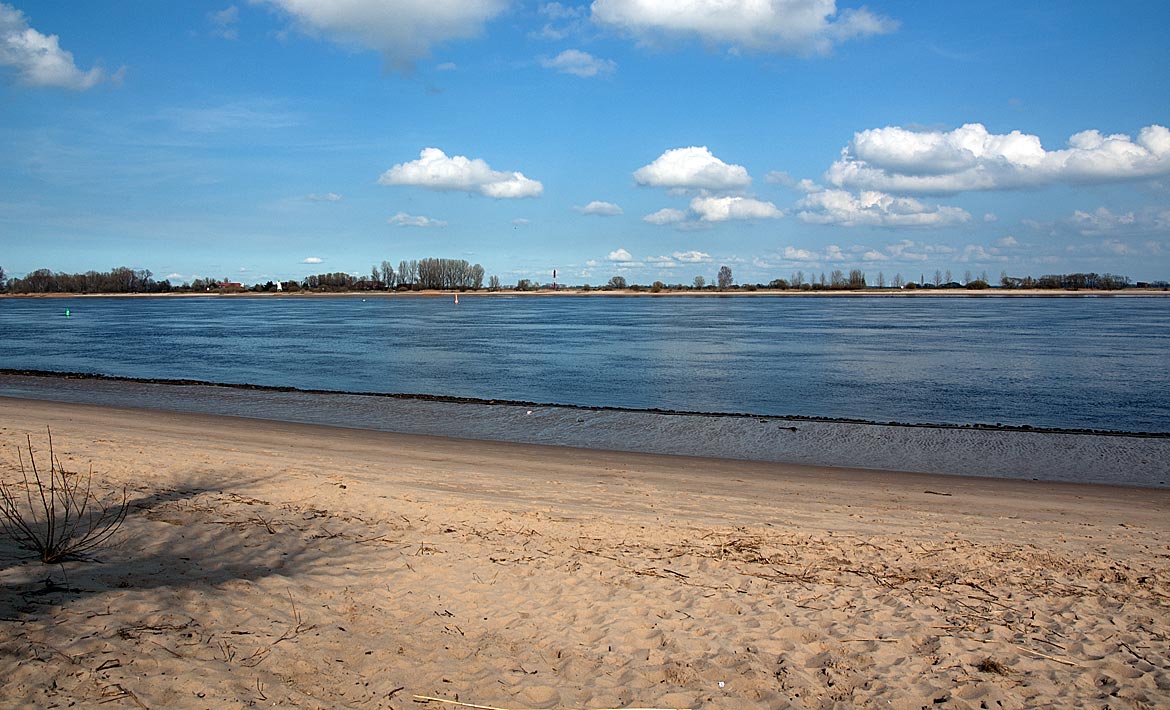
[(271, 139)]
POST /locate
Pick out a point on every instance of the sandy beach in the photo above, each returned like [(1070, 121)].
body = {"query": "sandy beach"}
[(290, 565)]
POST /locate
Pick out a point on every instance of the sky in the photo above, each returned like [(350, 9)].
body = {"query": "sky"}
[(652, 139)]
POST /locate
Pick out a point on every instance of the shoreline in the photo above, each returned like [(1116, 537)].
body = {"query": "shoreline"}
[(1134, 461), (598, 292), (453, 399), (303, 565)]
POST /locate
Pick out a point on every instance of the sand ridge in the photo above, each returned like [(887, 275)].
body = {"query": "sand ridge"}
[(268, 564)]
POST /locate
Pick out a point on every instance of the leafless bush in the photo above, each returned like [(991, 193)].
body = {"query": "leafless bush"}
[(57, 513)]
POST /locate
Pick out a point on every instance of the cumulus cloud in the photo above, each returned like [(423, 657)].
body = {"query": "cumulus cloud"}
[(597, 207), (693, 168), (782, 26), (691, 257), (312, 260), (578, 63), (403, 32), (722, 209), (1008, 242), (794, 254), (620, 255), (873, 208), (434, 170), (900, 160), (38, 59), (666, 215), (327, 197), (706, 209), (403, 219)]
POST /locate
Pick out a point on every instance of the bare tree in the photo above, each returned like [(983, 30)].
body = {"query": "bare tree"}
[(937, 278), (856, 279), (837, 279), (388, 275), (494, 283), (881, 279), (699, 283), (798, 279), (724, 279), (899, 282)]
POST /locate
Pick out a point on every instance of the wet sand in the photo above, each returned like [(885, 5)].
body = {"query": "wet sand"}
[(268, 563)]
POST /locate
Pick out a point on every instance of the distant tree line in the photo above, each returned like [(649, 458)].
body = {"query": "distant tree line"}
[(856, 280), (414, 275), (118, 280), (458, 274)]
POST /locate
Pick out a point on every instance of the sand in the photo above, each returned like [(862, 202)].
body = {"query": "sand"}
[(289, 565)]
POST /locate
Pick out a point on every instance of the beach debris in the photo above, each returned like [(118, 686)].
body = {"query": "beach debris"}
[(990, 665), (937, 493)]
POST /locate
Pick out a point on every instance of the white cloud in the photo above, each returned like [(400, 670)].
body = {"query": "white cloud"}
[(37, 58), (597, 207), (692, 257), (800, 26), (721, 209), (174, 276), (895, 159), (224, 23), (990, 217), (693, 168), (563, 20), (794, 254), (976, 253), (404, 31), (874, 208), (1008, 242), (447, 66), (403, 219), (1103, 221), (666, 215), (558, 11), (620, 255), (312, 260), (521, 222), (434, 170), (907, 250), (327, 197), (578, 63), (706, 209)]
